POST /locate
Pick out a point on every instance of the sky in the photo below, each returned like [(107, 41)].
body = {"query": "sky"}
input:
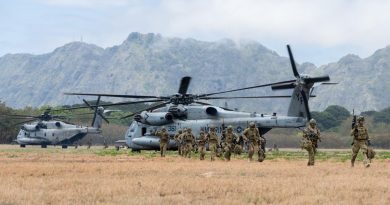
[(319, 31)]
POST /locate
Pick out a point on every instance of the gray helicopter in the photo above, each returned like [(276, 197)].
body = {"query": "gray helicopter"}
[(47, 129), (183, 110)]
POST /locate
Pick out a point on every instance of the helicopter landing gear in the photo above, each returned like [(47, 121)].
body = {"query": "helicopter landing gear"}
[(22, 145), (64, 146), (43, 146)]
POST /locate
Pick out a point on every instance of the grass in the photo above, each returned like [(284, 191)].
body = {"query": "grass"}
[(106, 176)]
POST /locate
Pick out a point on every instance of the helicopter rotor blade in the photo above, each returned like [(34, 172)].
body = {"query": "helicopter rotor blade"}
[(202, 103), (27, 121), (148, 108), (184, 84), (283, 86), (246, 97), (118, 96), (317, 79), (16, 115), (246, 88), (329, 83), (306, 102), (292, 61), (111, 104)]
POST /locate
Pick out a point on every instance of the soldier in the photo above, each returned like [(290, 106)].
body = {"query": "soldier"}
[(239, 145), (213, 140), (360, 141), (188, 139), (164, 140), (252, 136), (89, 143), (311, 136), (178, 141), (229, 142), (182, 142), (202, 145)]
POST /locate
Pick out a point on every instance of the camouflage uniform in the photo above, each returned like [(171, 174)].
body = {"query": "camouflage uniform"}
[(178, 141), (202, 145), (182, 142), (360, 141), (230, 139), (188, 139), (311, 135), (164, 140), (213, 140), (239, 145), (252, 135)]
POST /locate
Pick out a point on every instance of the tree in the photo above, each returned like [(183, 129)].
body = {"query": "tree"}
[(338, 112), (325, 120), (383, 116)]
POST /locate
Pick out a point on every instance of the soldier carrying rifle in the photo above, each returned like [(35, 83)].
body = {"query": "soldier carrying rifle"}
[(311, 136), (360, 141)]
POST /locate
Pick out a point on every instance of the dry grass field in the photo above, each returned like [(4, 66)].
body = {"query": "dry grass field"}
[(96, 176)]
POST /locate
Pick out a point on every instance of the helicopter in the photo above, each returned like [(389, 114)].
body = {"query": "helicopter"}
[(184, 110), (47, 129)]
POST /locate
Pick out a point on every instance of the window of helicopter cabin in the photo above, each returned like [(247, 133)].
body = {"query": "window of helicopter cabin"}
[(143, 131), (44, 134)]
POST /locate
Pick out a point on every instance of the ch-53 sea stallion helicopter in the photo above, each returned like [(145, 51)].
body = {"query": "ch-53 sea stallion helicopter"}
[(47, 129), (179, 111)]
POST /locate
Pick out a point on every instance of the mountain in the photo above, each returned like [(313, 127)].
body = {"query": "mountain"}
[(150, 64)]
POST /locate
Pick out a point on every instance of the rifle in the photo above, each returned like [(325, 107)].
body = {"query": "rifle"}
[(354, 126)]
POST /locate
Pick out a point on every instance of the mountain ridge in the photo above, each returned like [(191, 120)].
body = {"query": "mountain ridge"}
[(153, 64)]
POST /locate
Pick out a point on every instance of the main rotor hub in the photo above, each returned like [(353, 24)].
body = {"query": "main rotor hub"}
[(182, 99)]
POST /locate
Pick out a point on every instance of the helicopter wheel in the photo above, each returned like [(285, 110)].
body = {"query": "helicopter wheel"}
[(43, 146), (22, 145), (64, 146)]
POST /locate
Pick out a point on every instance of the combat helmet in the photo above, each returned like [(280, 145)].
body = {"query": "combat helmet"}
[(360, 118), (252, 125), (230, 127), (163, 128), (312, 121)]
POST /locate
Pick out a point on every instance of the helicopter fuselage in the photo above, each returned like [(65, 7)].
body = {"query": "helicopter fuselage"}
[(52, 133), (140, 136)]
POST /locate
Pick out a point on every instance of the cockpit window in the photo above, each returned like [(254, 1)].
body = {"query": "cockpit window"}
[(132, 127)]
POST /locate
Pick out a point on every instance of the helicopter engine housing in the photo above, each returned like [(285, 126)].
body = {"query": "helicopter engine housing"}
[(30, 128), (211, 111), (58, 124), (154, 118), (178, 111)]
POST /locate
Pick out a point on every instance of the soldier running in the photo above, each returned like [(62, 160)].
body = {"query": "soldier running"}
[(202, 145), (311, 136), (230, 139), (178, 141), (252, 136), (188, 139), (213, 140), (360, 141)]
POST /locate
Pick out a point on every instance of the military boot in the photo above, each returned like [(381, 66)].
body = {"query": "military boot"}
[(353, 161)]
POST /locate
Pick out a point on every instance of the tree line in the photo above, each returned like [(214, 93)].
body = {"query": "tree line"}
[(335, 124)]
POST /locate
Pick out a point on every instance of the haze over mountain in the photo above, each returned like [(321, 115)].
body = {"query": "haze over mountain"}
[(150, 64)]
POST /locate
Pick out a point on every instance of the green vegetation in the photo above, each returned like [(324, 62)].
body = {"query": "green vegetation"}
[(334, 122), (341, 155), (331, 117)]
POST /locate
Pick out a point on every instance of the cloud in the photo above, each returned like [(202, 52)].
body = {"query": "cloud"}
[(354, 26), (85, 3)]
